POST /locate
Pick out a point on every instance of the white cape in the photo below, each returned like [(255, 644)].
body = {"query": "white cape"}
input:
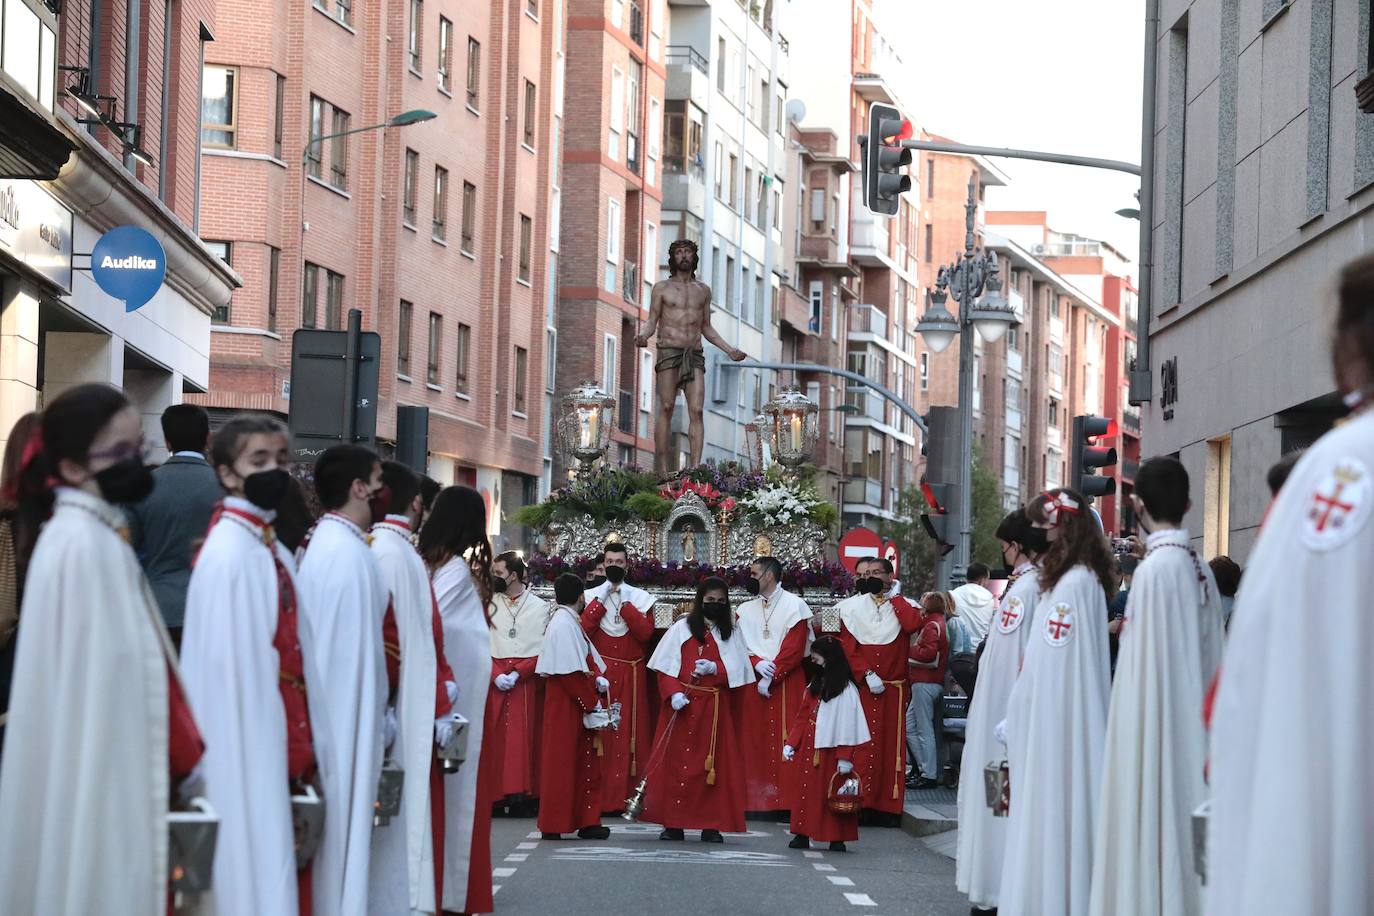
[(612, 624), (467, 647), (1056, 725), (840, 722), (667, 658), (784, 612), (84, 787), (982, 837), (566, 646), (403, 852), (343, 601), (1155, 751), (1293, 723), (232, 671), (870, 623)]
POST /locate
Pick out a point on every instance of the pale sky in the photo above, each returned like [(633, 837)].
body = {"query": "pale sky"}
[(1054, 75)]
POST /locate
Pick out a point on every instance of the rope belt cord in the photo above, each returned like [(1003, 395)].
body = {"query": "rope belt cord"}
[(715, 724), (634, 708), (898, 769)]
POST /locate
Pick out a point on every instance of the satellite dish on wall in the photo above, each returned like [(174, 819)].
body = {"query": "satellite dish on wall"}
[(796, 110)]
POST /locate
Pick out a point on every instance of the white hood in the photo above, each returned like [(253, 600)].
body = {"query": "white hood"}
[(976, 605)]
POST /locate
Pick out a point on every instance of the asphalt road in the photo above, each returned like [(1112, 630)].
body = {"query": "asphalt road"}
[(886, 872)]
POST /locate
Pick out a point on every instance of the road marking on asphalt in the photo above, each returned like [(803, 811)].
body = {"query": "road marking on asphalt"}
[(502, 872), (668, 854), (811, 855), (526, 845), (821, 866), (653, 830), (840, 880), (859, 899), (534, 835), (495, 888), (517, 857)]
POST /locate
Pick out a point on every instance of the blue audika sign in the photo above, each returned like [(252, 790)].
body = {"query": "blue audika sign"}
[(129, 263)]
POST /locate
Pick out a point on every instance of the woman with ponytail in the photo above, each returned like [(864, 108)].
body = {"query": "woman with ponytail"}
[(102, 743), (1055, 729), (454, 545)]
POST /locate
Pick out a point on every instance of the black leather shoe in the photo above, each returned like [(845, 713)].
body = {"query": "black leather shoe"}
[(712, 836), (594, 833), (671, 834), (800, 842), (838, 846)]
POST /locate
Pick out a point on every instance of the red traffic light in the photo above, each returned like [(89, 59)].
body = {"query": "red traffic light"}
[(929, 493), (1099, 428), (903, 132)]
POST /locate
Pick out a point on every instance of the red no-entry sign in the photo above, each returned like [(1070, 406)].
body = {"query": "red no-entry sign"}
[(861, 543)]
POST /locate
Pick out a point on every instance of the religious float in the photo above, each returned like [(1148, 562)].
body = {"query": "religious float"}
[(708, 520)]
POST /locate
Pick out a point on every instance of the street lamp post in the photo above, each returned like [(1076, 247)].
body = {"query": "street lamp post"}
[(414, 116), (968, 278)]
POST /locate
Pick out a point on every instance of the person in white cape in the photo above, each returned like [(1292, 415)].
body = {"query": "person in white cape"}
[(85, 789), (343, 603), (241, 658), (1153, 768), (454, 545), (1057, 718), (982, 836), (1292, 721), (404, 875)]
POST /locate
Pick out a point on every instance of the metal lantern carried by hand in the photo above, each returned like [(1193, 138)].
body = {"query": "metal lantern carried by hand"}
[(792, 426), (585, 426)]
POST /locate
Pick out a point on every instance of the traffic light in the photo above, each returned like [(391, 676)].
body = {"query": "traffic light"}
[(1087, 456), (937, 521), (884, 159)]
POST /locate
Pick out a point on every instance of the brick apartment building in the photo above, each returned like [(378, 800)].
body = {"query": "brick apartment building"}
[(129, 70), (439, 233), (611, 188)]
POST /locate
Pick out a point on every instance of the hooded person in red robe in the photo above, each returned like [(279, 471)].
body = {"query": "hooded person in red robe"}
[(696, 772)]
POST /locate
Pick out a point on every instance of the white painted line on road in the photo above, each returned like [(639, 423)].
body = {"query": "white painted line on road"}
[(840, 880), (495, 888), (534, 835), (526, 845), (821, 866), (860, 899), (502, 872), (811, 855), (517, 857)]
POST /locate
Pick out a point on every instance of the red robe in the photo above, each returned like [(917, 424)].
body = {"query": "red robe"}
[(812, 772), (515, 737), (479, 898), (184, 744), (696, 779), (765, 721), (570, 756), (300, 747), (881, 764), (626, 749)]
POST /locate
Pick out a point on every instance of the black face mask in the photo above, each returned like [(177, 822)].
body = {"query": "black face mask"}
[(128, 481), (751, 586), (616, 574), (499, 586), (870, 585), (594, 581), (265, 489), (715, 610)]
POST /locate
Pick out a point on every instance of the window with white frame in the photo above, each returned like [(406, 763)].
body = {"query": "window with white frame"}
[(610, 353), (925, 371), (617, 119)]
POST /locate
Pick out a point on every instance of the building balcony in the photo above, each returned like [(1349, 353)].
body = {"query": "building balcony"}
[(871, 405), (873, 88), (1130, 419), (1054, 439), (867, 319), (1014, 363), (685, 190), (864, 491), (689, 76), (868, 242)]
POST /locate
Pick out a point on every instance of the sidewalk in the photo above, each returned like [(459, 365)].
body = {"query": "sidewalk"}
[(933, 816)]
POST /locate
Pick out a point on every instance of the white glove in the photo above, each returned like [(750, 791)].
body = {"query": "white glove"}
[(603, 685), (443, 730), (389, 727), (506, 682), (704, 668), (844, 766), (764, 685), (999, 731), (678, 701), (875, 683), (452, 690), (766, 669), (193, 785), (788, 752)]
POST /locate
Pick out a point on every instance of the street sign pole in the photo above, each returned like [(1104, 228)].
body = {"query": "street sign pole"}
[(350, 388)]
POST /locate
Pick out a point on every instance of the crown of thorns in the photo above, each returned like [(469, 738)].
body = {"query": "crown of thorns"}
[(683, 243)]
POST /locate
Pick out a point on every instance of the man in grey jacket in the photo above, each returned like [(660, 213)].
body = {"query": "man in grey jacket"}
[(166, 527)]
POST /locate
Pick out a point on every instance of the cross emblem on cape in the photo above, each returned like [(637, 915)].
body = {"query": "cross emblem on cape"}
[(1059, 625), (1011, 615), (1339, 505)]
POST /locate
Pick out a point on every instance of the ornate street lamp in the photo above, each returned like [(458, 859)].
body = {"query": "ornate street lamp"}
[(937, 325), (792, 426), (584, 429), (756, 440)]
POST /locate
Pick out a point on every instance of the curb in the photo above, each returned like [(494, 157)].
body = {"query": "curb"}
[(920, 821)]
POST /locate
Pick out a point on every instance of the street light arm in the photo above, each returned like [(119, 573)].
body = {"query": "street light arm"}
[(940, 146), (892, 396), (305, 153)]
